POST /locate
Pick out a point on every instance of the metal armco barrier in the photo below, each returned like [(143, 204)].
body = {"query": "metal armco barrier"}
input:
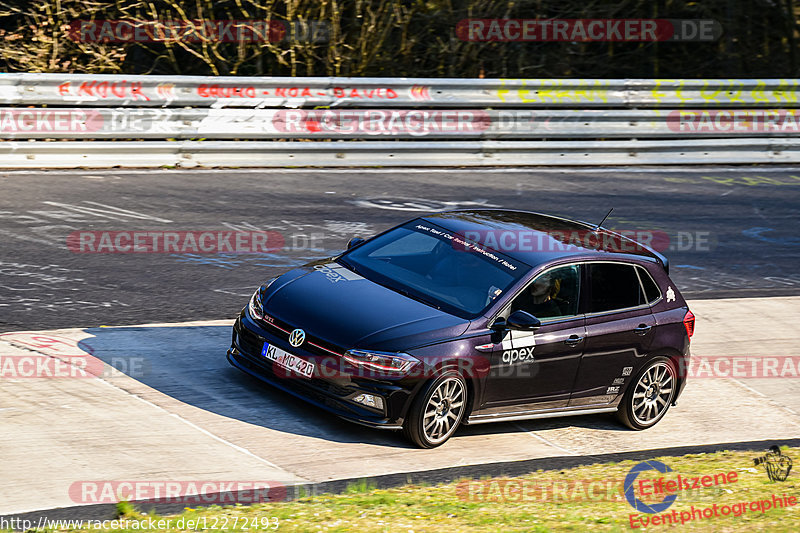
[(189, 154), (150, 123), (388, 121), (197, 91)]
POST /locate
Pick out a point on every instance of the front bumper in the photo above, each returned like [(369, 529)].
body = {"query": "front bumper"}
[(331, 394)]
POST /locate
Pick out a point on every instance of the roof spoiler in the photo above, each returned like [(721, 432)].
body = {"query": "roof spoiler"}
[(661, 258)]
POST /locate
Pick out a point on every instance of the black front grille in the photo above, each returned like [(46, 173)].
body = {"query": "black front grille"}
[(313, 345), (251, 344)]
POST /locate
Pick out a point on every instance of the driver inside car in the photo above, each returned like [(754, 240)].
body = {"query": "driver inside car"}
[(540, 298)]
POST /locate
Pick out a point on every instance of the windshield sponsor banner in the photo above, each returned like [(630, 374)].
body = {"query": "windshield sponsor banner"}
[(461, 242)]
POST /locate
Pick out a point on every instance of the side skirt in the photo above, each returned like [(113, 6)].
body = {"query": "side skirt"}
[(509, 417)]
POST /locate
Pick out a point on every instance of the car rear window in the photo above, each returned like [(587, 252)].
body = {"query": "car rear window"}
[(651, 290), (614, 286)]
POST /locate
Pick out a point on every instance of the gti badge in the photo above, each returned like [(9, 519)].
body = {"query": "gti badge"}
[(297, 337)]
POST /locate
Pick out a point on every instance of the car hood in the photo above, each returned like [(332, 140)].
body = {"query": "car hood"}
[(338, 306)]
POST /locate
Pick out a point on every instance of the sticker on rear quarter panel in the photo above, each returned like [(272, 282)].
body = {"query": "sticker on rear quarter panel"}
[(670, 294)]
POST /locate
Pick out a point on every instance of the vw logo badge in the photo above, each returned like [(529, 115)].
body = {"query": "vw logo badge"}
[(297, 337)]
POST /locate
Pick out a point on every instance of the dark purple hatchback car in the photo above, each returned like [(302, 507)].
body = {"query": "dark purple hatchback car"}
[(466, 317)]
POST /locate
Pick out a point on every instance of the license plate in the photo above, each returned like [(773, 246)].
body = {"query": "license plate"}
[(288, 361)]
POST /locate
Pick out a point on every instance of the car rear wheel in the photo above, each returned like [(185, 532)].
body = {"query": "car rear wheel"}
[(437, 411), (649, 396)]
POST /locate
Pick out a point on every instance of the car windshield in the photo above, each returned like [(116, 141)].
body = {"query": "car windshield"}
[(432, 265)]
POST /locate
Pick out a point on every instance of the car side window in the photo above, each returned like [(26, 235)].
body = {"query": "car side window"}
[(614, 286), (552, 294), (651, 290)]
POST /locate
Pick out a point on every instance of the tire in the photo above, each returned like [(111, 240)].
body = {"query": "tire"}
[(650, 395), (437, 410)]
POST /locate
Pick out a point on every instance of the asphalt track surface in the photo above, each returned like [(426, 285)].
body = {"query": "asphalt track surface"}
[(204, 420), (160, 403), (733, 231)]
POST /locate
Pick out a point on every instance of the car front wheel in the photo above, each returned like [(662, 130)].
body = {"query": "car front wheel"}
[(649, 396), (437, 411)]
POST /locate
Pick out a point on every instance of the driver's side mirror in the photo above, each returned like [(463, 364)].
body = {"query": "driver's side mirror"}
[(355, 241), (523, 320)]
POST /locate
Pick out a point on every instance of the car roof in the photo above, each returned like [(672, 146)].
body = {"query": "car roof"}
[(542, 238)]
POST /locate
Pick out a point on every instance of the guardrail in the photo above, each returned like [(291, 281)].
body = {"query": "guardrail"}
[(236, 123), (198, 91), (382, 121), (189, 154)]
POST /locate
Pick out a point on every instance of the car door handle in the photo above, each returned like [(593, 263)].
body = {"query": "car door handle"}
[(642, 329), (573, 340)]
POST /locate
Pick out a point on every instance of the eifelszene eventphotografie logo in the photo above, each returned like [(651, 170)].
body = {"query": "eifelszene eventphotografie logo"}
[(630, 492)]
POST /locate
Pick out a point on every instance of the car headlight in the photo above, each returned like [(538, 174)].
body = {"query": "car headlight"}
[(255, 307), (384, 361)]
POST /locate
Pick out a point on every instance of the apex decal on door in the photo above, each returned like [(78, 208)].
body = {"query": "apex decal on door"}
[(518, 347), (522, 355)]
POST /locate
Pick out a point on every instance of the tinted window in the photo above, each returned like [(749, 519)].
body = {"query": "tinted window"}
[(552, 294), (409, 244), (650, 287), (614, 286), (421, 261)]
